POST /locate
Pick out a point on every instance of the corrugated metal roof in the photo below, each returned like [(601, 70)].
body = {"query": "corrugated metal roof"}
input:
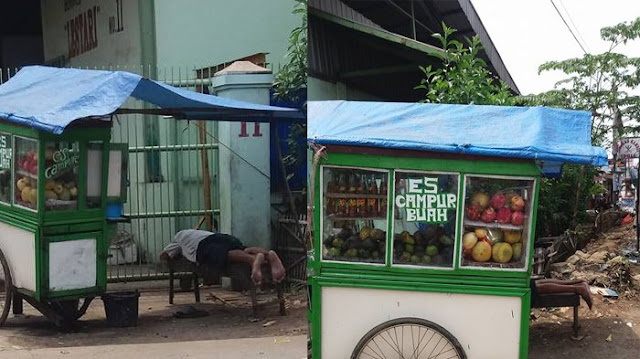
[(340, 9), (395, 16)]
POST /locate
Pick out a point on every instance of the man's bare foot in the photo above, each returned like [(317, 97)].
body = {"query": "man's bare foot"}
[(277, 269), (585, 293), (256, 269)]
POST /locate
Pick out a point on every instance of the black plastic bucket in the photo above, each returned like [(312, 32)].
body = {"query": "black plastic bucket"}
[(121, 308)]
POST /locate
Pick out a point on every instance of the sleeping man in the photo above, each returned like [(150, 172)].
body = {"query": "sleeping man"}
[(217, 250)]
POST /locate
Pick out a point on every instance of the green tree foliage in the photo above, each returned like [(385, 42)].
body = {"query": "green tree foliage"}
[(290, 84), (291, 79), (463, 77), (604, 85)]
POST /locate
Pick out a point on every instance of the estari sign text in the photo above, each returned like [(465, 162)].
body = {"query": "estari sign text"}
[(422, 202)]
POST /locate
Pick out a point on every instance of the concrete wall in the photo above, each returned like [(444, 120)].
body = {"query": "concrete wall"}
[(204, 32), (92, 33), (245, 191)]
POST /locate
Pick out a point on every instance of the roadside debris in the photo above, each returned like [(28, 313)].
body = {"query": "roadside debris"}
[(603, 265)]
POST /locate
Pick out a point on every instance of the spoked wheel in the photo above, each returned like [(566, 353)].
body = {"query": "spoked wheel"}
[(408, 338), (6, 287)]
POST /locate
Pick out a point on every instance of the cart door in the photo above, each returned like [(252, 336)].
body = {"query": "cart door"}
[(72, 264)]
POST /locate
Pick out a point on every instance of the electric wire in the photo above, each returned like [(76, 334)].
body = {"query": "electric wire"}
[(574, 26), (568, 27)]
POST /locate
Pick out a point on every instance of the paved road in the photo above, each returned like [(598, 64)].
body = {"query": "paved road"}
[(247, 348)]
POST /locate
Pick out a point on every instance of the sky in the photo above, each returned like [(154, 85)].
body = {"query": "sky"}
[(528, 33)]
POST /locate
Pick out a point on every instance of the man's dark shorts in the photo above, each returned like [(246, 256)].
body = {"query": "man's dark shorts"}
[(212, 251)]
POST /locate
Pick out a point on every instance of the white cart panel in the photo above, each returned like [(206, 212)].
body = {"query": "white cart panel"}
[(487, 327), (19, 248), (72, 264)]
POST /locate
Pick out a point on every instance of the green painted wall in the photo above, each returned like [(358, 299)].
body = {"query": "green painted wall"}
[(220, 31)]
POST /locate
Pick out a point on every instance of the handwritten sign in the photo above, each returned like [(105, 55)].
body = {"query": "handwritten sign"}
[(6, 152), (63, 159), (423, 203)]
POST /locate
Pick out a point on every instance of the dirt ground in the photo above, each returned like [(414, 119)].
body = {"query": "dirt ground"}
[(228, 318), (610, 330)]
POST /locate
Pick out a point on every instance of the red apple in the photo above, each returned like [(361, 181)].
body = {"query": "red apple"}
[(517, 204)]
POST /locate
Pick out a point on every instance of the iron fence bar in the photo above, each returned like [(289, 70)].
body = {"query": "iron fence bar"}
[(171, 148), (189, 82), (165, 214)]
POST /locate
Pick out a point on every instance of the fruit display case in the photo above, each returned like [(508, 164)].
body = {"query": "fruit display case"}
[(497, 222), (457, 225)]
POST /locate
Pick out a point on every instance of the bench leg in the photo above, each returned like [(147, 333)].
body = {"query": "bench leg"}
[(171, 292), (280, 291), (196, 287), (254, 299), (576, 323)]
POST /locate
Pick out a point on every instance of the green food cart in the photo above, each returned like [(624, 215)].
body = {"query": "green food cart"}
[(423, 224), (58, 171)]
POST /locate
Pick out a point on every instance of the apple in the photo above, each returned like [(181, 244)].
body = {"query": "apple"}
[(481, 232), (469, 240), (517, 203)]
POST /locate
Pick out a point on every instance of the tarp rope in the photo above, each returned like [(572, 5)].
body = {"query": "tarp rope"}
[(230, 150), (318, 153)]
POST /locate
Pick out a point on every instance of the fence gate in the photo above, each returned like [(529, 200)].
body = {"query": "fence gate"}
[(290, 245), (166, 180)]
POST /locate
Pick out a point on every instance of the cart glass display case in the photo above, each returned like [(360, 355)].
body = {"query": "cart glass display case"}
[(425, 218), (26, 173), (6, 160), (355, 211), (497, 222)]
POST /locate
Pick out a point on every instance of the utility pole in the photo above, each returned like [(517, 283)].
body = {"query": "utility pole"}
[(617, 133)]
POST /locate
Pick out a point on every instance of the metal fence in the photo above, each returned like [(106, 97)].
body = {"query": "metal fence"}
[(166, 180)]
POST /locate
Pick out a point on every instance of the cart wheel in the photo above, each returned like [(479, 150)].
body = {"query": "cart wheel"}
[(71, 310), (408, 338), (6, 287)]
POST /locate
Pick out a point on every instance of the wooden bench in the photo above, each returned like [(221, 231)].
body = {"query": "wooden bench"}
[(180, 268), (559, 300)]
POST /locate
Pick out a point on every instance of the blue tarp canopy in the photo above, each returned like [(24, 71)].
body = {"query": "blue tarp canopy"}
[(549, 136), (49, 99)]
